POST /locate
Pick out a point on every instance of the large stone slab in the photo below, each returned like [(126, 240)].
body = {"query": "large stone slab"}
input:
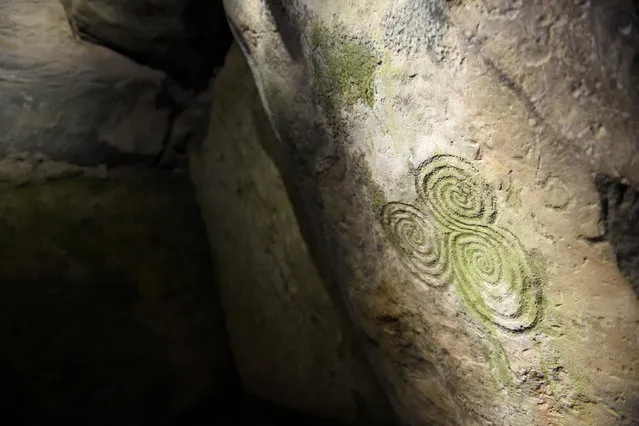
[(465, 174), (292, 344), (184, 38), (74, 101)]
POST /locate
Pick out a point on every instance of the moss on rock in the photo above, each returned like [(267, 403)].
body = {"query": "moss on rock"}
[(345, 70)]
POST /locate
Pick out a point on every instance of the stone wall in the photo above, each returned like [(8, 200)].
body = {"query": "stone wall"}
[(292, 344), (461, 172)]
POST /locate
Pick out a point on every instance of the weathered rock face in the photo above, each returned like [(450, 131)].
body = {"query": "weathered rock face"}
[(465, 173), (107, 312), (184, 38), (74, 101), (291, 344)]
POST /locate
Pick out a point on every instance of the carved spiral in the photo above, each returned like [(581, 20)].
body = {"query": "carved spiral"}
[(420, 245), (454, 192), (457, 241), (493, 275)]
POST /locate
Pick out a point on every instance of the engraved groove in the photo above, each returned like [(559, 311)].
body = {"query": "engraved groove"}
[(454, 192), (457, 241), (420, 244), (494, 277)]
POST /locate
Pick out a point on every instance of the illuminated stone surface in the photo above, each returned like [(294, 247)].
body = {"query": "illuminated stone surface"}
[(497, 288)]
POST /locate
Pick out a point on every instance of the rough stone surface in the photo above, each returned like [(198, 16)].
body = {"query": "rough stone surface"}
[(291, 345), (184, 38), (74, 101), (442, 160), (107, 310)]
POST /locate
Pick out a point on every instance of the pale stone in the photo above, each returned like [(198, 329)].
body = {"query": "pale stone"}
[(379, 109)]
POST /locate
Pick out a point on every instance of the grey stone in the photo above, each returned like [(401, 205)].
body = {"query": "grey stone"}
[(462, 238), (184, 38), (71, 100), (291, 342)]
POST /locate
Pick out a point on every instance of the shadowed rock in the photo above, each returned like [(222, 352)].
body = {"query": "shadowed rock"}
[(71, 100), (184, 38)]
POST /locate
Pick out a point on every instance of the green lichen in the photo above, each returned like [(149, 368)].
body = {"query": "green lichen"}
[(494, 352), (454, 201), (498, 360), (345, 70), (462, 206)]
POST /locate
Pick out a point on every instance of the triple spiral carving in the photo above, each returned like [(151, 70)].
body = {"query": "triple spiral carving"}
[(454, 239)]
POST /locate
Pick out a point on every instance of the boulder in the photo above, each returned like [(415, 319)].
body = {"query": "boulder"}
[(186, 39), (292, 344), (465, 175), (74, 101)]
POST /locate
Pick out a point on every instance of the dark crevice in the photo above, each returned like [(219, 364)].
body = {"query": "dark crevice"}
[(290, 38), (189, 58), (619, 207), (211, 38), (164, 100)]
